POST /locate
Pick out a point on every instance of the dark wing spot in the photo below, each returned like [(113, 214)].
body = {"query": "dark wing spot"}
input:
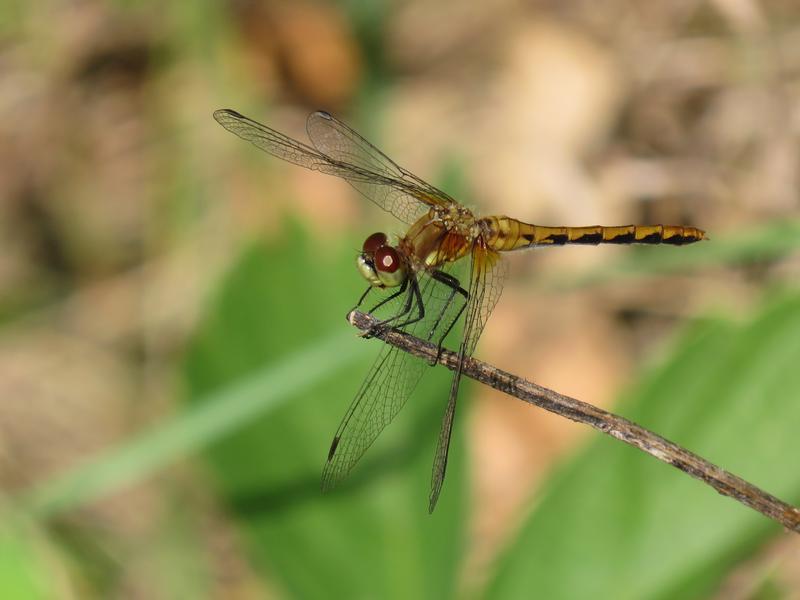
[(334, 445)]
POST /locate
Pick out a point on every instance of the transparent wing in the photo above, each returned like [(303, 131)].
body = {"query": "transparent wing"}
[(486, 285), (363, 166), (388, 384), (409, 196)]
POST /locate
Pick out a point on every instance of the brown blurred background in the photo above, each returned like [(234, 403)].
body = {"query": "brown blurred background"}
[(123, 202)]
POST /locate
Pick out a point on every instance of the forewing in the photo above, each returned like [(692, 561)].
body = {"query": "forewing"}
[(407, 197), (388, 384), (486, 285), (343, 153), (282, 146)]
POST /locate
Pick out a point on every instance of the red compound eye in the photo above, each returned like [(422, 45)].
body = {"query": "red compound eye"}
[(387, 259), (373, 242)]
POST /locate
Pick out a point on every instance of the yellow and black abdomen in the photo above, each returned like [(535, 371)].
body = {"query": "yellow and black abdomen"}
[(505, 234)]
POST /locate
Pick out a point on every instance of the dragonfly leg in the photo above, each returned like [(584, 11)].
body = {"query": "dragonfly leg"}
[(411, 289), (413, 294), (378, 305), (389, 298), (380, 325), (361, 300), (455, 288)]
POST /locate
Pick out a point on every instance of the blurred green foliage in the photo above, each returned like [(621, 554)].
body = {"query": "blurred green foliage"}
[(635, 528), (273, 367), (29, 566)]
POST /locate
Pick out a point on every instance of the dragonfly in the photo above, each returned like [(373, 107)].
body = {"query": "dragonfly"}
[(421, 292)]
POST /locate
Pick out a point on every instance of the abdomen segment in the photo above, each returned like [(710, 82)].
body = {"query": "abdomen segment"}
[(505, 234)]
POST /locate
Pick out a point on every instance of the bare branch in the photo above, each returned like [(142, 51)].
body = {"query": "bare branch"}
[(722, 481)]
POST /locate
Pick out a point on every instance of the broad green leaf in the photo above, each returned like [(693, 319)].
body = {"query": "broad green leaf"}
[(615, 523), (29, 566), (373, 536)]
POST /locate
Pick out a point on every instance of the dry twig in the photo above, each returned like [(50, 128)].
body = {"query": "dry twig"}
[(722, 481)]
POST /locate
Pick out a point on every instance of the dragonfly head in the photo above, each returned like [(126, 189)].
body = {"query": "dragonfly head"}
[(381, 264)]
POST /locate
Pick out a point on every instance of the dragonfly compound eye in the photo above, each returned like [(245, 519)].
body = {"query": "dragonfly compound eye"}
[(368, 261), (373, 242), (387, 259), (389, 266)]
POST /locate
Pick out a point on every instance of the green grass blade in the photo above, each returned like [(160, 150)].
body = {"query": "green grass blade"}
[(219, 415)]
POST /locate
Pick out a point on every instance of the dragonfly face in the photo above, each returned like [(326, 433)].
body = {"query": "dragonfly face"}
[(419, 270), (381, 264)]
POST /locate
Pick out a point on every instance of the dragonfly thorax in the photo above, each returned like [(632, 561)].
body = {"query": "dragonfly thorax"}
[(440, 237), (380, 264)]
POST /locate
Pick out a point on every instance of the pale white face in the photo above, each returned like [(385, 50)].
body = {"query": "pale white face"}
[(381, 264)]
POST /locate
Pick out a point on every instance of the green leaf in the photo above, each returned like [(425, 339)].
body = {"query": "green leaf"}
[(29, 566), (615, 523), (373, 536)]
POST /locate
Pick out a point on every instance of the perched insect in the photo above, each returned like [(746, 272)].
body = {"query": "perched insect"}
[(425, 299)]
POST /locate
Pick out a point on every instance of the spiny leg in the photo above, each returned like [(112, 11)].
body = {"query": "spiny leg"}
[(361, 300), (455, 288), (413, 294), (391, 297), (381, 325), (411, 288)]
